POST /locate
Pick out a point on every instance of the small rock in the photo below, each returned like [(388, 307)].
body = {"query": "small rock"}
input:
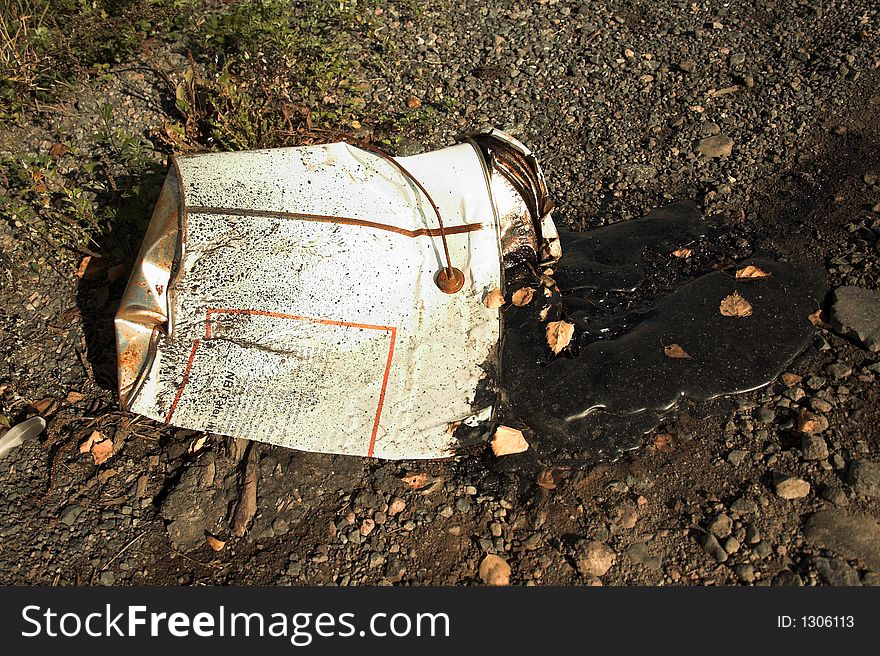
[(721, 526), (718, 145), (639, 553), (854, 537), (835, 571), (745, 573), (731, 545), (736, 457), (709, 129), (762, 549), (815, 383), (818, 405), (713, 548), (396, 506), (835, 495), (789, 487), (855, 313), (367, 527), (814, 447), (838, 371), (494, 570), (788, 578), (70, 514), (764, 415), (810, 423), (864, 477), (687, 66), (744, 506), (107, 578), (594, 558)]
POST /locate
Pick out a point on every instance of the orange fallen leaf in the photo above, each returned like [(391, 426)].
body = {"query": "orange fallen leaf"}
[(816, 318), (682, 252), (523, 296), (508, 441), (675, 351), (494, 570), (550, 477), (735, 305), (99, 445), (751, 272), (559, 334), (494, 299), (57, 150), (415, 480), (214, 543)]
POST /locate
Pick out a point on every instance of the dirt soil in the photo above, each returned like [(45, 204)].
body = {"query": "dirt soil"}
[(616, 99)]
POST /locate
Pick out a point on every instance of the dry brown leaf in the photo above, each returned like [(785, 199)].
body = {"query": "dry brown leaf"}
[(494, 299), (91, 268), (682, 252), (494, 570), (214, 543), (665, 442), (675, 351), (57, 150), (99, 445), (508, 441), (550, 477), (415, 480), (751, 272), (816, 318), (735, 305), (523, 296), (545, 313), (791, 379), (106, 475), (74, 397), (559, 334), (45, 406), (548, 282)]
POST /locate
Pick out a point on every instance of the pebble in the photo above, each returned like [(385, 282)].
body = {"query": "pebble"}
[(639, 553), (764, 415), (593, 558), (718, 145), (745, 572), (107, 578), (761, 550), (731, 545), (814, 447), (713, 548), (835, 571), (835, 495), (736, 457), (743, 506), (864, 477), (721, 526), (855, 313), (838, 371), (855, 537), (790, 487), (70, 514)]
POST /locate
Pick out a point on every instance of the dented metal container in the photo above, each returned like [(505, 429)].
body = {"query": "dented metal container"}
[(307, 296)]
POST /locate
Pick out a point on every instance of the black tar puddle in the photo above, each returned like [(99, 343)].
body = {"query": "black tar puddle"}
[(628, 297)]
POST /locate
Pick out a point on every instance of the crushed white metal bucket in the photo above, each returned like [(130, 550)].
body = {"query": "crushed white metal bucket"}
[(290, 296)]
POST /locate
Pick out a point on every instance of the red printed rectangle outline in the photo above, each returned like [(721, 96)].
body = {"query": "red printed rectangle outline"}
[(392, 330)]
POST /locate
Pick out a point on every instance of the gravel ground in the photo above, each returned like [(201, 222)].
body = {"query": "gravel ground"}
[(766, 113)]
